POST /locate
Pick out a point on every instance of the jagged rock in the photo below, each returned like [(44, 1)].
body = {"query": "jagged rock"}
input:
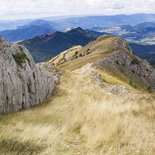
[(22, 83)]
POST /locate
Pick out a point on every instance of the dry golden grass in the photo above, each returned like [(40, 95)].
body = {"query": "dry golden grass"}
[(82, 118), (65, 56), (77, 56)]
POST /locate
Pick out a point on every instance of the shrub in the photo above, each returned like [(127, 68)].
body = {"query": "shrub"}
[(87, 53), (149, 89), (88, 50), (80, 55), (48, 58), (117, 62), (21, 48), (131, 83), (135, 62), (133, 71), (76, 53), (135, 86), (20, 58)]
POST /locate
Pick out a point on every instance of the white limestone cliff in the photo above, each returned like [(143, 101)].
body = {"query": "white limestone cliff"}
[(23, 84)]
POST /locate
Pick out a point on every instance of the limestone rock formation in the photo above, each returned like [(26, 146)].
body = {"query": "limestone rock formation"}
[(22, 83)]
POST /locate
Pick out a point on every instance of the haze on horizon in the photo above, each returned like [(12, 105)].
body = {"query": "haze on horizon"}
[(15, 9)]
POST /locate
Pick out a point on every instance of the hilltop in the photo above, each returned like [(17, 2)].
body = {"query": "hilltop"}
[(28, 31)]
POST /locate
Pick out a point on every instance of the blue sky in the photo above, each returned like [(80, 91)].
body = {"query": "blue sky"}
[(21, 9)]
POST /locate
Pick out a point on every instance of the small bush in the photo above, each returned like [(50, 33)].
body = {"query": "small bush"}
[(134, 62), (88, 50), (135, 86), (21, 48), (80, 55), (131, 83), (149, 89), (48, 58), (65, 60), (87, 53), (76, 53), (20, 58), (133, 71), (117, 62)]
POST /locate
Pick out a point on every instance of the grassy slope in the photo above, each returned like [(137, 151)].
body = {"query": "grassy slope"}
[(82, 118), (97, 50), (92, 52)]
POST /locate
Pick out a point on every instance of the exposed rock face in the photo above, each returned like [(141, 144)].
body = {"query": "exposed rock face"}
[(136, 70), (22, 83)]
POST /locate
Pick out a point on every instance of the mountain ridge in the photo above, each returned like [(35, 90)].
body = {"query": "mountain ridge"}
[(112, 55), (26, 32)]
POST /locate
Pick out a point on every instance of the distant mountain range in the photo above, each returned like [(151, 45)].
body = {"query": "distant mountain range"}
[(46, 38), (89, 22), (31, 30), (10, 25), (86, 22), (144, 32), (13, 24), (45, 46), (121, 25)]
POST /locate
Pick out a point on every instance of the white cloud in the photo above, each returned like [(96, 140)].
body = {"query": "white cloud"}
[(41, 8)]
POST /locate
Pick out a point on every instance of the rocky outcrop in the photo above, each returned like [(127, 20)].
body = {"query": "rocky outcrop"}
[(22, 83), (137, 72)]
